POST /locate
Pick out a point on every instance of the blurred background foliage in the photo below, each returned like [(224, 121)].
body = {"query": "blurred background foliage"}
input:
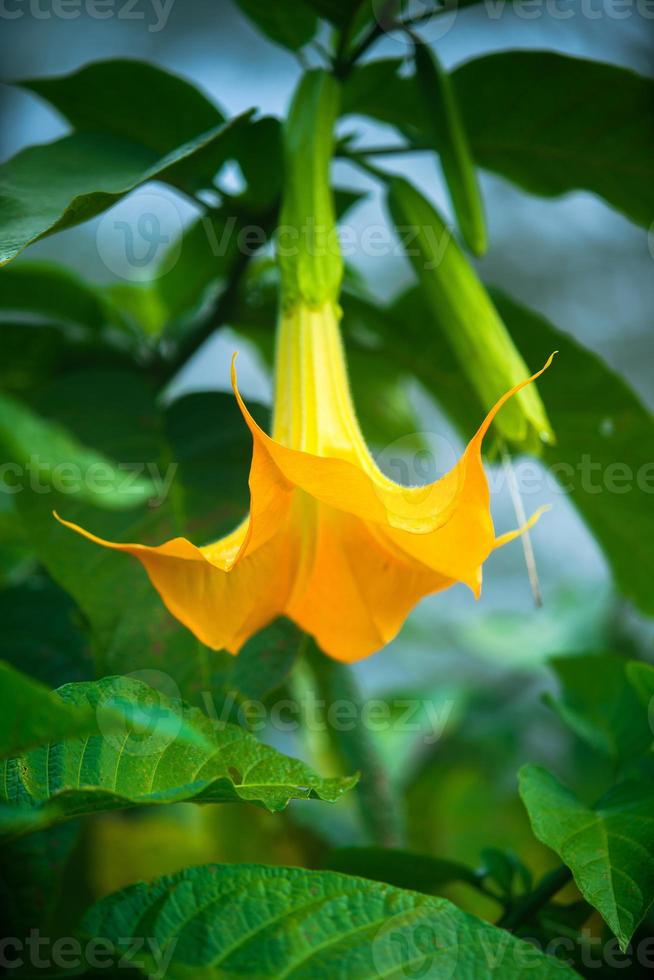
[(85, 384)]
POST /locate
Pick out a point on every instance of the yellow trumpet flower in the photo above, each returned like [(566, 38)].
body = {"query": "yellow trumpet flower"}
[(330, 541)]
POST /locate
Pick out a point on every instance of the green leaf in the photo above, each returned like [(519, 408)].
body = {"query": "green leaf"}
[(444, 122), (340, 12), (587, 129), (601, 706), (609, 848), (549, 139), (259, 152), (641, 677), (290, 23), (225, 920), (131, 100), (262, 666), (34, 716), (47, 188), (46, 454), (55, 653), (52, 293), (31, 871), (403, 869), (165, 753), (461, 308)]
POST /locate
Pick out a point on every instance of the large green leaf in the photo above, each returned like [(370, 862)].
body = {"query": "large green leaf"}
[(131, 100), (587, 129), (599, 703), (176, 754), (227, 921), (45, 455), (609, 848), (290, 23), (47, 188)]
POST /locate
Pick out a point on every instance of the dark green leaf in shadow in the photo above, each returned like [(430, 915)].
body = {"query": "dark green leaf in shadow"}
[(549, 139), (601, 706), (290, 23), (403, 869)]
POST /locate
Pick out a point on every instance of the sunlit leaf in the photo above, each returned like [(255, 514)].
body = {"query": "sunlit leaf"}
[(164, 753)]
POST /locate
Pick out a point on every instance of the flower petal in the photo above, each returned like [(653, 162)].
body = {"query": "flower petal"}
[(356, 590), (221, 596)]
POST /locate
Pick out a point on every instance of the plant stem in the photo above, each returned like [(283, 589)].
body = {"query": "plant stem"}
[(521, 517), (342, 68), (351, 745), (381, 151), (527, 906)]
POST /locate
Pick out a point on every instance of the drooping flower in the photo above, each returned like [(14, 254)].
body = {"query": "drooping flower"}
[(330, 541)]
